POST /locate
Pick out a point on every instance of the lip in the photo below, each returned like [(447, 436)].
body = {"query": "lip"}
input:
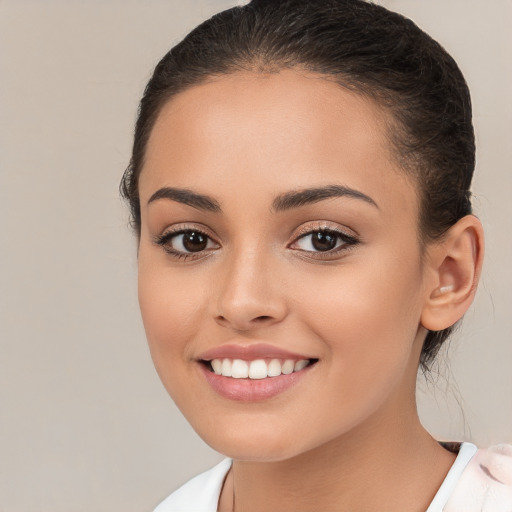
[(252, 390), (250, 352)]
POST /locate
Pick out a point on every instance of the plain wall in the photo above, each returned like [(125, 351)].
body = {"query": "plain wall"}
[(85, 425)]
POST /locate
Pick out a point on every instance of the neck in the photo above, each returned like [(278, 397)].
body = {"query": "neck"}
[(397, 466)]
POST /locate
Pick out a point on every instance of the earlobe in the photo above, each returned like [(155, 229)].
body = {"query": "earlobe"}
[(454, 267)]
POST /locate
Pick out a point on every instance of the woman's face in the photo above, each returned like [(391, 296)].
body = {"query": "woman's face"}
[(278, 231)]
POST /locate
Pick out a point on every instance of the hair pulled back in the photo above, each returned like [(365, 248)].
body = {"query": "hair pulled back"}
[(361, 46)]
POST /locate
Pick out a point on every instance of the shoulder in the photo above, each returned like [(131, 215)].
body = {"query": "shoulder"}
[(486, 483), (201, 494)]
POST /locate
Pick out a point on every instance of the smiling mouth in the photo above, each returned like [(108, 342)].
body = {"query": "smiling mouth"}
[(256, 369)]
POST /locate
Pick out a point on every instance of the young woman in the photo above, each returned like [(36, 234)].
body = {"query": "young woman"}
[(299, 186)]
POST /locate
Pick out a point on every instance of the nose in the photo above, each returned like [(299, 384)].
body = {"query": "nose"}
[(250, 292)]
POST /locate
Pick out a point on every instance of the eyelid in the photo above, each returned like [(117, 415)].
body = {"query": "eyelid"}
[(184, 227), (170, 232), (347, 236), (349, 240), (311, 227)]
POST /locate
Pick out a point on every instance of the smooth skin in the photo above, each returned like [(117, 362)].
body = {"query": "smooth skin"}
[(347, 435)]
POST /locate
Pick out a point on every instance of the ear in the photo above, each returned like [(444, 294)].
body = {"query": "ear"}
[(453, 270)]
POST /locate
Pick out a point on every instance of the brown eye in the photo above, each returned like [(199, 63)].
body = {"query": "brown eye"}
[(324, 243), (194, 241), (320, 241), (324, 240), (186, 242)]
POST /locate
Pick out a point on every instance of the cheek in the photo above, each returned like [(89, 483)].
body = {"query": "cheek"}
[(367, 315), (170, 312), (172, 315)]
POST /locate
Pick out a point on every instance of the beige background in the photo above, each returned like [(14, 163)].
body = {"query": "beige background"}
[(84, 423)]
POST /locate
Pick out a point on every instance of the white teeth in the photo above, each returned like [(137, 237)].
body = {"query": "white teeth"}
[(288, 367), (217, 366), (257, 369), (240, 369), (299, 365), (274, 368), (226, 367)]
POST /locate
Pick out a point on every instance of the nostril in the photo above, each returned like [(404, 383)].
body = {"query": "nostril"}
[(262, 318), (239, 324)]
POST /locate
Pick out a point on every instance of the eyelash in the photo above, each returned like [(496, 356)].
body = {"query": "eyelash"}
[(347, 242), (165, 239)]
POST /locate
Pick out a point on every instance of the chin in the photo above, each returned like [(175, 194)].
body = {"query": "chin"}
[(261, 452), (251, 444)]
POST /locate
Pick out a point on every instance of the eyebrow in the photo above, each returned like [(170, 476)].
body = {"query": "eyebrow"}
[(307, 196), (185, 196), (283, 202)]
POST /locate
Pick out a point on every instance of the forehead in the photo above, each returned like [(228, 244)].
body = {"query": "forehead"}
[(278, 132)]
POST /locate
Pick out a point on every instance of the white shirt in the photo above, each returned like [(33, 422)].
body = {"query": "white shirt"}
[(478, 481)]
